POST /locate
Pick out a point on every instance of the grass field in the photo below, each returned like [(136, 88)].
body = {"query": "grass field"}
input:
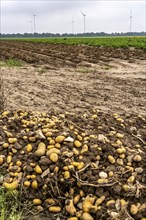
[(138, 42)]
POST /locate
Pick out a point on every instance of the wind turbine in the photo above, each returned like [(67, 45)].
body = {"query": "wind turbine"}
[(130, 19), (72, 22), (34, 23), (84, 16), (31, 25)]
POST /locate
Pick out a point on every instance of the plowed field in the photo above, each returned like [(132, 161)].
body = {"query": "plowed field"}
[(57, 55), (75, 78), (85, 107)]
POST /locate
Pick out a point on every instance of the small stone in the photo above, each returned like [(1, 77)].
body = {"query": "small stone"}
[(103, 175)]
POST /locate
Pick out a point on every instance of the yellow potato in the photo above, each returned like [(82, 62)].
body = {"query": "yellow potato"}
[(37, 202), (53, 157), (70, 207), (55, 209), (59, 139), (41, 150), (87, 216), (38, 169)]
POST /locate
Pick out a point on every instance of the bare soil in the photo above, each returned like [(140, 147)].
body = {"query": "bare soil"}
[(114, 86), (74, 78)]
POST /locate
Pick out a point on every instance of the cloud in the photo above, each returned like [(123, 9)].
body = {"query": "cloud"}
[(54, 16)]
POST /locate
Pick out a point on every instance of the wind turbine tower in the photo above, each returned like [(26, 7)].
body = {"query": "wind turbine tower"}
[(130, 18), (34, 23), (31, 25), (84, 16), (72, 22)]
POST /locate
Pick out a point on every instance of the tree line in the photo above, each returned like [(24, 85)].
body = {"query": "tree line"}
[(91, 34)]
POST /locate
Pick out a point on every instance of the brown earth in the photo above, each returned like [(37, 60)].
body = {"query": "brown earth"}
[(74, 78)]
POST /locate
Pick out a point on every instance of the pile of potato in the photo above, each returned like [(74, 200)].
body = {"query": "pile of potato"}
[(90, 166)]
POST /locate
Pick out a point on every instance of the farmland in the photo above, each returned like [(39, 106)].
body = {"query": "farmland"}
[(72, 135), (125, 42)]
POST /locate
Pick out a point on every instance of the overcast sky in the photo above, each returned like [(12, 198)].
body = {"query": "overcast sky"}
[(56, 16)]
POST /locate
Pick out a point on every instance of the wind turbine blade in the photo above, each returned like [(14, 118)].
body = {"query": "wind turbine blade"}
[(82, 13)]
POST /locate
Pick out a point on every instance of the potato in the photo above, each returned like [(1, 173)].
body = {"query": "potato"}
[(53, 157), (66, 175), (99, 200), (59, 139), (27, 183), (55, 209), (118, 135), (41, 150), (5, 145), (1, 160), (53, 150), (131, 179), (28, 148), (38, 169), (102, 181), (88, 203), (110, 202), (87, 216), (12, 140), (72, 218), (18, 163), (34, 184), (77, 143), (133, 209), (111, 159), (37, 202), (9, 159), (76, 199), (137, 158), (11, 186), (50, 201), (80, 166), (70, 207)]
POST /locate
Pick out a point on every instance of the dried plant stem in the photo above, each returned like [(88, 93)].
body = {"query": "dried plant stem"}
[(2, 94)]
